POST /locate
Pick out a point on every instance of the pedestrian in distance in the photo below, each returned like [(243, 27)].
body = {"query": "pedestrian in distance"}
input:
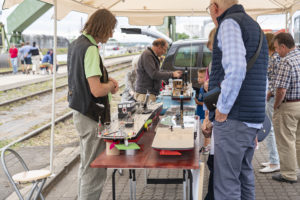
[(27, 56), (35, 58), (13, 52), (21, 57)]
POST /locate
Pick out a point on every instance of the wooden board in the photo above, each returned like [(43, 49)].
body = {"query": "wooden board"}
[(178, 139)]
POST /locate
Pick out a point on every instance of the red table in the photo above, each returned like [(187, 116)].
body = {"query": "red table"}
[(147, 157)]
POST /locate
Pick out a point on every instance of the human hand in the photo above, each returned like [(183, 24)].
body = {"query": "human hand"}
[(115, 87), (114, 82), (220, 117), (256, 143), (206, 86), (269, 94), (196, 100), (177, 74), (206, 128)]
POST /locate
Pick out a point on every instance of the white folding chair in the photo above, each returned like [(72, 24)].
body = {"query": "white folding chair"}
[(36, 177)]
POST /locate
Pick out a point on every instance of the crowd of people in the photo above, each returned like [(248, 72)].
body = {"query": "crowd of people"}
[(30, 58), (257, 75), (270, 87)]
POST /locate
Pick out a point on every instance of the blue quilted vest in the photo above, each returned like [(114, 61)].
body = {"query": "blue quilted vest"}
[(250, 103)]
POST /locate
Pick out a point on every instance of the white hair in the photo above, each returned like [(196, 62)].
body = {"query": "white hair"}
[(225, 3), (135, 62)]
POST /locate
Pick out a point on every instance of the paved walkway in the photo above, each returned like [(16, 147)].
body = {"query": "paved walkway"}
[(266, 188), (11, 81)]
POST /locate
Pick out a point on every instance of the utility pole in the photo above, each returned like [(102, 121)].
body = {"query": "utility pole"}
[(172, 27)]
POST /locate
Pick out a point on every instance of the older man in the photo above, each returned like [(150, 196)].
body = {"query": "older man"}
[(286, 118), (240, 110), (149, 75)]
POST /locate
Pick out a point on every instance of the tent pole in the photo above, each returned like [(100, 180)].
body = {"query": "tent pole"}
[(286, 21), (53, 86)]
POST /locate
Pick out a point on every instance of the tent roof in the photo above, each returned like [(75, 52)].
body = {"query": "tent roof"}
[(152, 12)]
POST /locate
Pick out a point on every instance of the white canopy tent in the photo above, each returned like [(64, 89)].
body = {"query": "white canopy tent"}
[(151, 12)]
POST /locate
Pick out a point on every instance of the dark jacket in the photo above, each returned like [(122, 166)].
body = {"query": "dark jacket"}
[(250, 102), (79, 96), (149, 75)]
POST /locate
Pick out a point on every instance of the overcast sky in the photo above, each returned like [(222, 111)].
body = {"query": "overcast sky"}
[(71, 25)]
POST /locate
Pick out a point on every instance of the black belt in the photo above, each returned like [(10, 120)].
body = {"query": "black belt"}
[(293, 100)]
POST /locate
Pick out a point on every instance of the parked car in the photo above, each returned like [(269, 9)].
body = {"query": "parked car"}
[(188, 55)]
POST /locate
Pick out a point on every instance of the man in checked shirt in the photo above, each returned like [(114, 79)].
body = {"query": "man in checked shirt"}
[(240, 109), (286, 118)]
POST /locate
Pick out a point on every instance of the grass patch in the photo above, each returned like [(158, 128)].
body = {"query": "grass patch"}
[(59, 51), (3, 143), (30, 89)]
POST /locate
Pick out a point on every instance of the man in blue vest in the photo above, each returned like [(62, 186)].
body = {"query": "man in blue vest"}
[(240, 110)]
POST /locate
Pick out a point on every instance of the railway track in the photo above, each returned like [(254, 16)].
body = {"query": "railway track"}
[(59, 65), (46, 126), (62, 117), (8, 102)]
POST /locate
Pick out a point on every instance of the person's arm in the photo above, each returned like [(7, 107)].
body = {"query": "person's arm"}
[(234, 65), (282, 82), (148, 61), (99, 89), (279, 97), (93, 74), (198, 102)]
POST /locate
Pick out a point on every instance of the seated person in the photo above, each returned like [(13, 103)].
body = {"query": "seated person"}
[(46, 62)]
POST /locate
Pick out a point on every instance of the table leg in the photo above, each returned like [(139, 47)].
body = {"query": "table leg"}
[(190, 184), (114, 184), (134, 184), (184, 185), (130, 184)]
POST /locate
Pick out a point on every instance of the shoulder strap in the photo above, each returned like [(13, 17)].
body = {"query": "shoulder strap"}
[(253, 59)]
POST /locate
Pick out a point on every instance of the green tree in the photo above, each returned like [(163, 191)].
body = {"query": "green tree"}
[(182, 36)]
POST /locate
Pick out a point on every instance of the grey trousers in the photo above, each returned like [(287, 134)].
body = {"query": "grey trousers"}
[(234, 149), (90, 180)]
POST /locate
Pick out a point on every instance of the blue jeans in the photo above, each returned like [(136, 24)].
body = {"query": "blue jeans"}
[(234, 149), (14, 62), (270, 139)]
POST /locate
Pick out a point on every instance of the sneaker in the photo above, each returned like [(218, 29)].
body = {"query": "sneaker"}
[(269, 169), (265, 164)]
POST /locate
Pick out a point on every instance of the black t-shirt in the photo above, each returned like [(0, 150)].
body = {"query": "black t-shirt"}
[(34, 51)]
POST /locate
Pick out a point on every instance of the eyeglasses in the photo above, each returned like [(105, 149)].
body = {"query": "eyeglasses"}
[(208, 8), (165, 48)]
